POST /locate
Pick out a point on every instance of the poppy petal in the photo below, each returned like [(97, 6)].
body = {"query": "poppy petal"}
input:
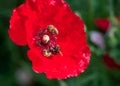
[(17, 31)]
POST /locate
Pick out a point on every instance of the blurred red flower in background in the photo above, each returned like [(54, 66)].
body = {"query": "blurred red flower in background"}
[(110, 63), (55, 36), (105, 24)]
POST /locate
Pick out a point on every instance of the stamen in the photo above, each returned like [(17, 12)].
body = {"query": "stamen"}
[(57, 48), (47, 53), (46, 40), (52, 29), (61, 53)]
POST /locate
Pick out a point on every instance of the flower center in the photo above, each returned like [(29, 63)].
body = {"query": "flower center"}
[(46, 40)]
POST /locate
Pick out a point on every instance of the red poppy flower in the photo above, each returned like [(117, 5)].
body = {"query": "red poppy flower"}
[(55, 36), (104, 23)]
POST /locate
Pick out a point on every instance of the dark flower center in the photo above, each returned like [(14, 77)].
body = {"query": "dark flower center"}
[(46, 40)]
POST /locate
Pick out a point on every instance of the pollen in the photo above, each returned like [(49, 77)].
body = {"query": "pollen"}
[(52, 29), (47, 53)]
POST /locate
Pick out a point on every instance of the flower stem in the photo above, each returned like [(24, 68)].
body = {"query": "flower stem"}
[(91, 13), (62, 83), (111, 10), (111, 13)]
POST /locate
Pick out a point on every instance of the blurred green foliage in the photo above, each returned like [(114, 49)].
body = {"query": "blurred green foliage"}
[(13, 57)]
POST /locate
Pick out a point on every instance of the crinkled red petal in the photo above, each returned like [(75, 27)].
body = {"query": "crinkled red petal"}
[(61, 67), (17, 32), (75, 59)]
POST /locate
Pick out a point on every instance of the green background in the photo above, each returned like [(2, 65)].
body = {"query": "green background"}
[(14, 62)]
